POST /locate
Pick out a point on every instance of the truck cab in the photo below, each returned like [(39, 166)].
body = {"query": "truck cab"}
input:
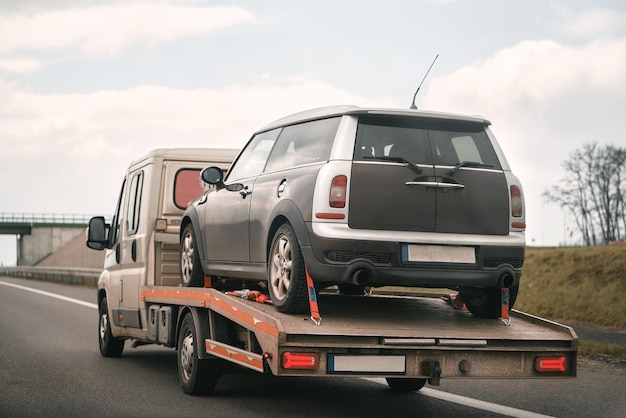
[(142, 239)]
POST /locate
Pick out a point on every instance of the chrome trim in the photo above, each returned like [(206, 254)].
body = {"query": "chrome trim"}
[(435, 184)]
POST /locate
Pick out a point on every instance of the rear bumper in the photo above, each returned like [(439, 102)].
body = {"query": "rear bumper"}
[(379, 263)]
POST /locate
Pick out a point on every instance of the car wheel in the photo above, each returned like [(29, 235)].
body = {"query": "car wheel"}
[(196, 375), (287, 276), (191, 274), (485, 302), (109, 345), (401, 384)]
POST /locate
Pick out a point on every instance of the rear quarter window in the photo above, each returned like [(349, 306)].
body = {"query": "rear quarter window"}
[(187, 187)]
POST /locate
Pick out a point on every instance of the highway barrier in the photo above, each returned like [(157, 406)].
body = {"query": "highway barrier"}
[(66, 275)]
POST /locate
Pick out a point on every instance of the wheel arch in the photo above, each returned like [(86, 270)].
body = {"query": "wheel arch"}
[(191, 217), (201, 324), (287, 212)]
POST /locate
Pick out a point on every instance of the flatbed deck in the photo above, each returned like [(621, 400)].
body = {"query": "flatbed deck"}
[(425, 331)]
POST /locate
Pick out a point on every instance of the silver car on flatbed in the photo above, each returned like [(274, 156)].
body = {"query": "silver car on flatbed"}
[(360, 197)]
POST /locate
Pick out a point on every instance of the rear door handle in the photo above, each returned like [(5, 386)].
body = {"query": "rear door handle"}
[(435, 184)]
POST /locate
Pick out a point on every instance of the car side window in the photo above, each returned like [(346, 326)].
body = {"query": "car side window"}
[(253, 158), (114, 231), (304, 143)]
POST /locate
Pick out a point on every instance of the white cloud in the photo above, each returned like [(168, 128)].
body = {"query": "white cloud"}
[(108, 29), (596, 22), (19, 65)]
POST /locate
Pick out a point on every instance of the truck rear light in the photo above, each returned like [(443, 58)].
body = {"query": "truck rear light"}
[(516, 202), (338, 187), (302, 361), (551, 364)]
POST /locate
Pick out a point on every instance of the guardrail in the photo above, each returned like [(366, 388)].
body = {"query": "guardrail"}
[(66, 275), (44, 218)]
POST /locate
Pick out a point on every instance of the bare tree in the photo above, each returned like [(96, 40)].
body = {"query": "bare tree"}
[(594, 191)]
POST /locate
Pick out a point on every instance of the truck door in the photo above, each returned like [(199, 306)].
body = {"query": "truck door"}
[(132, 259)]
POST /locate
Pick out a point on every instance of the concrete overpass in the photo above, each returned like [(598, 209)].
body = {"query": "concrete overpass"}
[(45, 239)]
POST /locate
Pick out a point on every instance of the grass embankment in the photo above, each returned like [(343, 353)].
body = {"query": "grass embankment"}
[(577, 284)]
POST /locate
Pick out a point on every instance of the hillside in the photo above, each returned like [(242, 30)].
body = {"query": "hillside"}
[(582, 284)]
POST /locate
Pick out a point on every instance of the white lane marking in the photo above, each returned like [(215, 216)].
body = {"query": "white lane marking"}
[(471, 402), (52, 295)]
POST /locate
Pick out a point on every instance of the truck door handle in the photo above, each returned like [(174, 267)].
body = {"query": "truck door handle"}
[(435, 184)]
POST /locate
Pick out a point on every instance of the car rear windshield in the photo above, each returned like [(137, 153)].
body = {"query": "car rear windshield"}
[(424, 141)]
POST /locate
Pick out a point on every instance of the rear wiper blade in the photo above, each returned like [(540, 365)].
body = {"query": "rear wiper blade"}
[(411, 164), (467, 164)]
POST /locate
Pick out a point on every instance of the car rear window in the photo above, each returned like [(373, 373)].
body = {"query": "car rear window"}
[(423, 141)]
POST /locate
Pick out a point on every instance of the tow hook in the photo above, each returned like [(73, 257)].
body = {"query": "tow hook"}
[(432, 369)]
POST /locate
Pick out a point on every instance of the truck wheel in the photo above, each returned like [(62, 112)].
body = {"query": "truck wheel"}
[(287, 277), (401, 384), (191, 273), (109, 345), (485, 302), (195, 374)]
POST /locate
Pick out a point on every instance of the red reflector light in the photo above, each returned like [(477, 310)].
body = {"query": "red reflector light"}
[(330, 216), (521, 225), (305, 361), (337, 198), (551, 364)]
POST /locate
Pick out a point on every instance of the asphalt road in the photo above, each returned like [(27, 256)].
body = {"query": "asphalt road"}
[(50, 366)]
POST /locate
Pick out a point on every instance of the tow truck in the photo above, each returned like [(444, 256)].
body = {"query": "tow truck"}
[(408, 338)]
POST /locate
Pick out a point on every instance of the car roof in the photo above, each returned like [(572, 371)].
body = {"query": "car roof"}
[(331, 111)]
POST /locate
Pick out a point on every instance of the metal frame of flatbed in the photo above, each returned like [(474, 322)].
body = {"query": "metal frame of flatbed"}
[(434, 339)]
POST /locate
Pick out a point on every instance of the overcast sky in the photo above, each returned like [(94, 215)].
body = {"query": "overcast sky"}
[(88, 86)]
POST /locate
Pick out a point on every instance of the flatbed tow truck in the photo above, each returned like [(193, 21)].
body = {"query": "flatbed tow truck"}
[(408, 339)]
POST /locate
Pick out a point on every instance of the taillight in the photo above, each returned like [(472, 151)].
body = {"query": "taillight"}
[(516, 202), (306, 361), (551, 364), (338, 187)]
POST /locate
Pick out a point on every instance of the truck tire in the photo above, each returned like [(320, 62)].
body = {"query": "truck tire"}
[(402, 384), (195, 374), (485, 302), (287, 276), (109, 345), (191, 274)]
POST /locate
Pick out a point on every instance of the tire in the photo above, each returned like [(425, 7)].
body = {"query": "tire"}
[(287, 277), (485, 302), (109, 345), (351, 289), (400, 384), (191, 274), (195, 374)]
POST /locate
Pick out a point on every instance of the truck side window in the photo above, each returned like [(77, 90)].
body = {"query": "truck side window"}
[(114, 231), (134, 203), (187, 187)]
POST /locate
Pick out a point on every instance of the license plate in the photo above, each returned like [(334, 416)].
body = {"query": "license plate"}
[(340, 363), (438, 254)]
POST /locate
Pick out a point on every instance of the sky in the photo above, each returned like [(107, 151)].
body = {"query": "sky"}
[(86, 87)]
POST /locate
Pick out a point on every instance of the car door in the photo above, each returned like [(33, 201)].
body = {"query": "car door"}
[(393, 179), (472, 192), (226, 212)]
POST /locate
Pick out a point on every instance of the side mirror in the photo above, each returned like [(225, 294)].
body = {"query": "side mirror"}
[(213, 176), (97, 232)]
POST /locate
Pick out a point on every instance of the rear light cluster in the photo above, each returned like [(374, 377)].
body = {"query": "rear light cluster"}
[(517, 208), (551, 364), (300, 361), (337, 197)]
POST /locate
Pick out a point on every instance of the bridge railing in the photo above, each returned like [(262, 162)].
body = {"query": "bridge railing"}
[(44, 218), (67, 275)]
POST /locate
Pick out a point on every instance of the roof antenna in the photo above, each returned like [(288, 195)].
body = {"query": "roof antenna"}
[(418, 88)]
